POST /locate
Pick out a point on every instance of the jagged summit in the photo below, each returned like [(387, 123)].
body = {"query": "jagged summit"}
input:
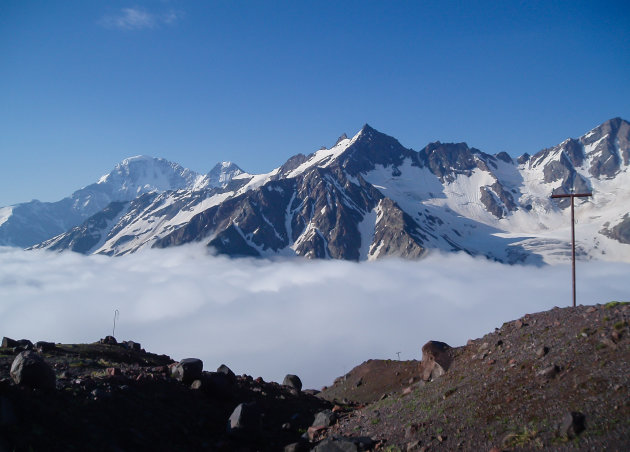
[(367, 197), (341, 138)]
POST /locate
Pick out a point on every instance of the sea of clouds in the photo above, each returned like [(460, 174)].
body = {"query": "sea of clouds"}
[(316, 319)]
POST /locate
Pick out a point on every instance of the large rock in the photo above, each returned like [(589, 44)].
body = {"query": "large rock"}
[(43, 346), (293, 381), (245, 420), (109, 340), (7, 342), (188, 370), (324, 418), (336, 445), (225, 370), (436, 359), (29, 369)]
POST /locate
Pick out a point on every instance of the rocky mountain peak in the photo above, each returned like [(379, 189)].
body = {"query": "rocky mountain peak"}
[(341, 138)]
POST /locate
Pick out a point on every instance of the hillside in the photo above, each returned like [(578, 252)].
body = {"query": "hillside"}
[(511, 390)]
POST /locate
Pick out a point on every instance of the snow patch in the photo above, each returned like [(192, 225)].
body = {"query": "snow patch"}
[(5, 213)]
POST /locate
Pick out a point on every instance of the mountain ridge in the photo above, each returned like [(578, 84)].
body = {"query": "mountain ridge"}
[(338, 202)]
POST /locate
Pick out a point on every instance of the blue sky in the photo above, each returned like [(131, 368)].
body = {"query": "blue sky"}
[(85, 84)]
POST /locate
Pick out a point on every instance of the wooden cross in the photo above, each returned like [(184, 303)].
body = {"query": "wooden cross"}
[(573, 196)]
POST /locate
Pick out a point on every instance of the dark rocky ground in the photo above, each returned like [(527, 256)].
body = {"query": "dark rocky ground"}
[(512, 389)]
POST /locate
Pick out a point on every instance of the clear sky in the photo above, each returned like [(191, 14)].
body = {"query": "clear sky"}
[(84, 84)]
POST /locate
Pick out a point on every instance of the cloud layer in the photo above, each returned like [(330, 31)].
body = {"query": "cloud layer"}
[(138, 19), (317, 319)]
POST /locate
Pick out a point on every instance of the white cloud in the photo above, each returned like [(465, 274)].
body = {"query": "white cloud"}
[(316, 319), (138, 19)]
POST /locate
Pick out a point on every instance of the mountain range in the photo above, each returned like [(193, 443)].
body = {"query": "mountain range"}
[(364, 198)]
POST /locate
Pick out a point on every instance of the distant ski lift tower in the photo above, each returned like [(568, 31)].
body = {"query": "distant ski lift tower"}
[(573, 196)]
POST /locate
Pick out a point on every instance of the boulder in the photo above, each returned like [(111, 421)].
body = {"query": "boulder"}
[(245, 420), (336, 445), (436, 359), (301, 446), (293, 381), (187, 370), (223, 369), (324, 418), (131, 345), (43, 346), (109, 340), (29, 369), (7, 342)]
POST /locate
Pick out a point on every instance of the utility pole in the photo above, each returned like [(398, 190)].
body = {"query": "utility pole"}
[(573, 196)]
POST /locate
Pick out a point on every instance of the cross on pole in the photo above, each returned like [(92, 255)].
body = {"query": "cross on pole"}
[(573, 196), (398, 353)]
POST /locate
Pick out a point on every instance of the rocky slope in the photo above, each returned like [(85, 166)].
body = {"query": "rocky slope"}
[(369, 197), (513, 389), (555, 380)]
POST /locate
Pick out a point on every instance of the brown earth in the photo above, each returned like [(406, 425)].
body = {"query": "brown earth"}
[(502, 390)]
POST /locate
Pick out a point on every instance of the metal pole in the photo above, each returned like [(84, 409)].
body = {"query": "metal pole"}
[(573, 245), (573, 196)]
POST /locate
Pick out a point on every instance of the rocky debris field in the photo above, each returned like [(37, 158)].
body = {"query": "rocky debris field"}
[(114, 397), (555, 380)]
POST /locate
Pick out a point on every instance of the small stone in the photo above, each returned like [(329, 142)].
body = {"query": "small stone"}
[(548, 372), (413, 446), (196, 385), (114, 371), (542, 351), (407, 390), (519, 324), (591, 309), (572, 424), (608, 343), (314, 431), (615, 336), (411, 431)]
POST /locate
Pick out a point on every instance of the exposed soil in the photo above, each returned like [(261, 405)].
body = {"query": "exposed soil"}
[(503, 391)]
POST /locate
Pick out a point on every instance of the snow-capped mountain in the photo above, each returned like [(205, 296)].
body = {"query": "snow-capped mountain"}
[(369, 197), (30, 223)]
